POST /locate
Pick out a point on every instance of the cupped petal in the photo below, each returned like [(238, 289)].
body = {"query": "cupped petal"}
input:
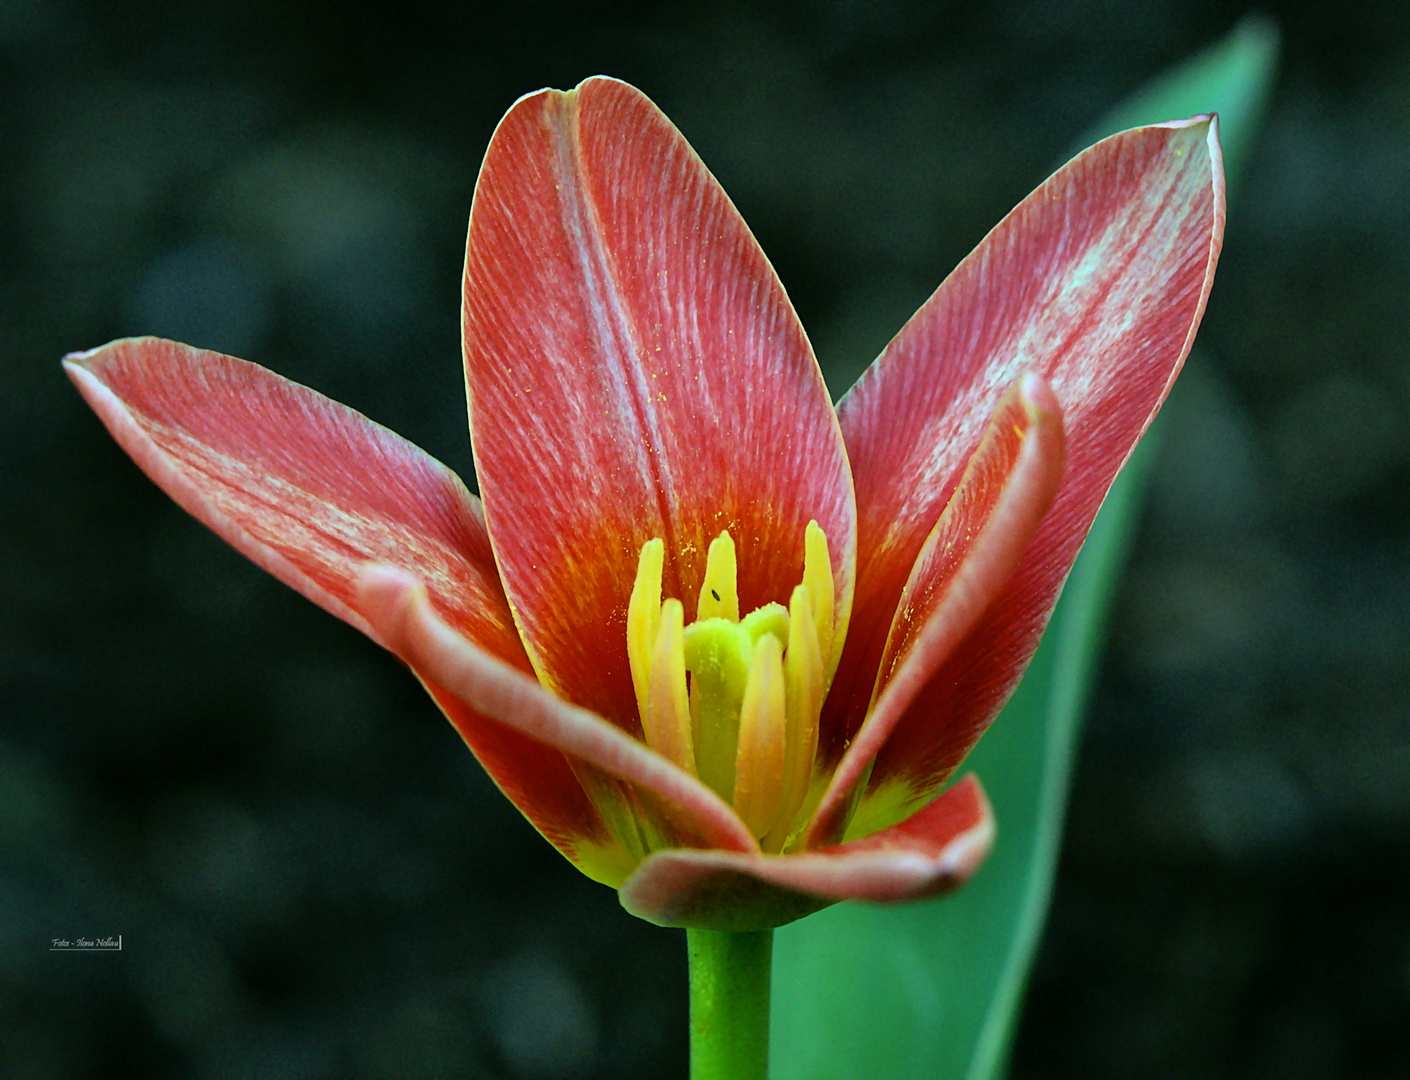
[(1096, 282), (650, 802), (634, 369), (967, 560), (936, 850), (311, 491)]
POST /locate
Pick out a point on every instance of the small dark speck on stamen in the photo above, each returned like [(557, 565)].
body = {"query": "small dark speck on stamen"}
[(714, 594)]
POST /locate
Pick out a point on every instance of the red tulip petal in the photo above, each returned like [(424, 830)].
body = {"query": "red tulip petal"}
[(965, 563), (1097, 282), (634, 370), (632, 785), (936, 850), (311, 490)]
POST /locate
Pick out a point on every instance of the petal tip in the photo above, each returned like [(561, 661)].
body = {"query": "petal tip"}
[(964, 855), (611, 79), (386, 596), (1196, 121), (554, 94), (86, 359), (1039, 400), (384, 583), (75, 368)]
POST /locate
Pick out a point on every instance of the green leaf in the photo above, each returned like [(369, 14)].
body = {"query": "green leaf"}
[(932, 989)]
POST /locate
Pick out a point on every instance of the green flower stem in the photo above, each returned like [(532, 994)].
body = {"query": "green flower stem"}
[(729, 1004)]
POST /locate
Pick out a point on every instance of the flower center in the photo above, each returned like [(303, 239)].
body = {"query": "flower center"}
[(735, 701)]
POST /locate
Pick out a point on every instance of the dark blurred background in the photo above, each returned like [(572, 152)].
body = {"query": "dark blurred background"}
[(314, 879)]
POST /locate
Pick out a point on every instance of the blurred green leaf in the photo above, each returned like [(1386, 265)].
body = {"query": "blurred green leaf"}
[(932, 989)]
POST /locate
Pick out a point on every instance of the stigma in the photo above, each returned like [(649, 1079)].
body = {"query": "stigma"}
[(735, 701)]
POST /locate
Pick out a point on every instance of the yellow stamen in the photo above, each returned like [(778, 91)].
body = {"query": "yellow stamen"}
[(817, 577), (643, 618), (719, 593), (717, 654), (758, 773), (736, 702), (667, 716), (803, 678)]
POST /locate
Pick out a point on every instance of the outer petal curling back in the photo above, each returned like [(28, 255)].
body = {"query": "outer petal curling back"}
[(634, 370), (310, 491), (1097, 282), (966, 561), (680, 810), (936, 850)]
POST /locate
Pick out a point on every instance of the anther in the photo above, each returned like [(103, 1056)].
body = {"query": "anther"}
[(719, 592), (817, 577), (643, 619), (759, 761), (667, 715), (803, 681)]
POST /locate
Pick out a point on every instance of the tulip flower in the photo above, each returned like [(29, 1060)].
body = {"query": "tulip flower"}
[(724, 645)]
